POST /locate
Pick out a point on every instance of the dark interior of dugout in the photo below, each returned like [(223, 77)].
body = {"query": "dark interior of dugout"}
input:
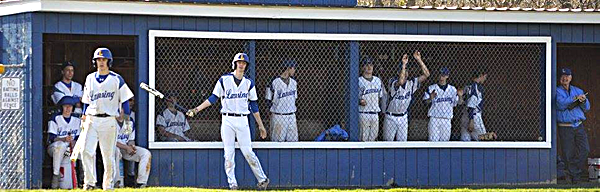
[(60, 48), (583, 59)]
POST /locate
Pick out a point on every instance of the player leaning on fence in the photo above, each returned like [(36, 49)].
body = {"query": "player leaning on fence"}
[(395, 126), (238, 98)]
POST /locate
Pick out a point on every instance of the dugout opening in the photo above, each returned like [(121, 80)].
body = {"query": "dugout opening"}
[(60, 48), (583, 59)]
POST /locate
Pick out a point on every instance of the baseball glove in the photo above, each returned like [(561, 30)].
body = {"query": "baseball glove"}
[(490, 136)]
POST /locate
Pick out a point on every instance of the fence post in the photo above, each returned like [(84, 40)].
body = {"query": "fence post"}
[(353, 129)]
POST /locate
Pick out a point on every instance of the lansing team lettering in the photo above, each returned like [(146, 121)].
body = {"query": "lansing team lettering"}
[(285, 94), (239, 95), (175, 123), (403, 97), (445, 99), (369, 91), (103, 95)]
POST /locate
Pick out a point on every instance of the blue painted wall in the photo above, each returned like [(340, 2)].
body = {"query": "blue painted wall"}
[(15, 42), (309, 167)]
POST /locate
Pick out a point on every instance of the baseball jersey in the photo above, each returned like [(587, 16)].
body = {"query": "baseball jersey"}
[(173, 123), (283, 96), (62, 89), (234, 98), (61, 128), (124, 138), (370, 91), (105, 97), (475, 96), (400, 97), (442, 106)]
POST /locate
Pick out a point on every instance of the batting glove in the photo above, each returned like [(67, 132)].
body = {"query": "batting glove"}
[(127, 128), (190, 113)]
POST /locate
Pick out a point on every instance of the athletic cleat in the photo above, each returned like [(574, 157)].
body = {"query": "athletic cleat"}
[(89, 187), (263, 184), (233, 187)]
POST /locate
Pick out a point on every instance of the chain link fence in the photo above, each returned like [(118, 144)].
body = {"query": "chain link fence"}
[(304, 87), (12, 165)]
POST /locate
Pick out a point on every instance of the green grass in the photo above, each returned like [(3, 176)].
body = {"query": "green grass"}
[(181, 189)]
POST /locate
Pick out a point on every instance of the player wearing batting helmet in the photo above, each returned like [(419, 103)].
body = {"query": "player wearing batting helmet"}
[(103, 94), (238, 99), (63, 130)]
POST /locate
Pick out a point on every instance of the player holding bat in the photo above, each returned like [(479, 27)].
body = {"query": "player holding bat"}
[(238, 99)]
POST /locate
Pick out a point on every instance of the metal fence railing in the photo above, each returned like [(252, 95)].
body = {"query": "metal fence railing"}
[(513, 93), (12, 165)]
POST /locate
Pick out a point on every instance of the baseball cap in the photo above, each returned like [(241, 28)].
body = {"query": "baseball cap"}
[(68, 100), (288, 64), (565, 71), (444, 71), (66, 64), (366, 61)]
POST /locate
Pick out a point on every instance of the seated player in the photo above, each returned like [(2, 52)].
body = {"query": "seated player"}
[(129, 151), (63, 131), (171, 124)]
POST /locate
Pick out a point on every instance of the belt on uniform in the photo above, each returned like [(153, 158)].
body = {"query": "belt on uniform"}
[(234, 114), (368, 112), (395, 114), (569, 124), (101, 115), (282, 113)]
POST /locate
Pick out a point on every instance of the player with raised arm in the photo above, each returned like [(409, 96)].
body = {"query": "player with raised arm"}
[(395, 125), (238, 98)]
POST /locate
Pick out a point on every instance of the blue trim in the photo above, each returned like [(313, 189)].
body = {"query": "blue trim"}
[(251, 72), (125, 106), (213, 98), (253, 106), (352, 111)]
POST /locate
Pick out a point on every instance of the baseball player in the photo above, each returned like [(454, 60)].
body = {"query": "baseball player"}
[(371, 91), (172, 124), (471, 121), (63, 130), (395, 125), (443, 97), (129, 151), (67, 87), (103, 94), (238, 98), (282, 94)]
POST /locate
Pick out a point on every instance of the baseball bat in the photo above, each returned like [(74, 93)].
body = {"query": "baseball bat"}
[(158, 94), (73, 173)]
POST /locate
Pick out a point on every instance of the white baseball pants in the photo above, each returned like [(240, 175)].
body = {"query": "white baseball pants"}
[(101, 130), (439, 129), (232, 128), (57, 152), (395, 128), (369, 126), (284, 128)]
